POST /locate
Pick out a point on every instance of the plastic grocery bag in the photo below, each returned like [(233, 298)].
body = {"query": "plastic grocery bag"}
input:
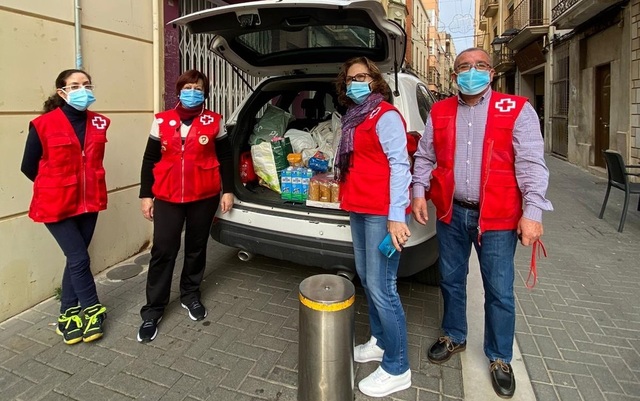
[(273, 123), (300, 140), (264, 165)]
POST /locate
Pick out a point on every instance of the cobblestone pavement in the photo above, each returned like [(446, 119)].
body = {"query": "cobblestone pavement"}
[(578, 330)]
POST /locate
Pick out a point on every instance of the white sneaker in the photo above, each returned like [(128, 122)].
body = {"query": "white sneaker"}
[(368, 351), (380, 383)]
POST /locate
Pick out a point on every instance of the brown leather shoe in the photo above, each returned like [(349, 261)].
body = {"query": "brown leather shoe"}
[(442, 349), (504, 384)]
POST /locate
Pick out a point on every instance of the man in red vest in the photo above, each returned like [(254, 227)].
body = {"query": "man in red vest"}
[(481, 162)]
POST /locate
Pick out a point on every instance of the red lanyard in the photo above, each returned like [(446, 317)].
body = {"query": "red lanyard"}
[(536, 252)]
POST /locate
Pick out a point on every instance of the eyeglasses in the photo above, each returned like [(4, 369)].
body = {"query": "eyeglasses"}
[(361, 77), (74, 87), (480, 66)]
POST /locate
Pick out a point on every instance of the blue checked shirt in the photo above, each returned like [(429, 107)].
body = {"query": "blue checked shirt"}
[(528, 145)]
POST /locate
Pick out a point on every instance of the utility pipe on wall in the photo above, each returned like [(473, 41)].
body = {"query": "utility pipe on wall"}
[(157, 54), (77, 27)]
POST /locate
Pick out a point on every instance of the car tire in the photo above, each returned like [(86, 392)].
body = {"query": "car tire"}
[(429, 276)]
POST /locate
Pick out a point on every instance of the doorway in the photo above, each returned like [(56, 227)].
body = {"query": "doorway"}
[(603, 108), (538, 98)]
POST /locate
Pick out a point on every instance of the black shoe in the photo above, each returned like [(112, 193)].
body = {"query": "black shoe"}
[(148, 330), (70, 326), (442, 349), (94, 317), (504, 384), (197, 311)]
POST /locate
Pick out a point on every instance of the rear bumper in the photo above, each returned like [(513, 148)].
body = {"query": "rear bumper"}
[(319, 252)]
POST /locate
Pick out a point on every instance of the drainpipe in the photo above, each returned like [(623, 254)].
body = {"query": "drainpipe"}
[(77, 27), (157, 54), (549, 95)]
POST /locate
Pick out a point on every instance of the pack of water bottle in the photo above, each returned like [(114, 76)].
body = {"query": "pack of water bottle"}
[(294, 183)]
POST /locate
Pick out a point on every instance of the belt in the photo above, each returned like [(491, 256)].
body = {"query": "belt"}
[(467, 205)]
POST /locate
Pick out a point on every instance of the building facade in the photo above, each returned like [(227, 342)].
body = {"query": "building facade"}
[(134, 57), (117, 47), (578, 63)]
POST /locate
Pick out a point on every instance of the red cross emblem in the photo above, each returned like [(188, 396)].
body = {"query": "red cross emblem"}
[(374, 112), (206, 120), (99, 122), (506, 105)]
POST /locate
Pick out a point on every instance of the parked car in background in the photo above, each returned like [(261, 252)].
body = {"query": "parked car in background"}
[(298, 46)]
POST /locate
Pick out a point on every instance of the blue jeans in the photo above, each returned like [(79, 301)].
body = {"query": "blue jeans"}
[(378, 277), (73, 235), (496, 252)]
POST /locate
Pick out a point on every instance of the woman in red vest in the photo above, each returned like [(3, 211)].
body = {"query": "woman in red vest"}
[(63, 157), (372, 165), (185, 167)]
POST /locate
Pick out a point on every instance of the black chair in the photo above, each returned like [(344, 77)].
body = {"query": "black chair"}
[(619, 178)]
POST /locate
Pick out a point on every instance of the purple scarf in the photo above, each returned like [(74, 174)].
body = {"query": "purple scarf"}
[(354, 117)]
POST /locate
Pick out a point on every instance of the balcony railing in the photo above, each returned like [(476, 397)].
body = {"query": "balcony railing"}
[(503, 60), (482, 24), (480, 39), (489, 8), (526, 14), (561, 7), (568, 14)]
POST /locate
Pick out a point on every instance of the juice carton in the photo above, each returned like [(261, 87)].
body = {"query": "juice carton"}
[(296, 185), (306, 177), (285, 184)]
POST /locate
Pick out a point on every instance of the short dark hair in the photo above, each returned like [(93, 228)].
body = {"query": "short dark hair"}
[(471, 49), (378, 85), (192, 77)]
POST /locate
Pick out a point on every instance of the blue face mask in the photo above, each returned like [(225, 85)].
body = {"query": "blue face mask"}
[(80, 99), (358, 91), (191, 98), (473, 81)]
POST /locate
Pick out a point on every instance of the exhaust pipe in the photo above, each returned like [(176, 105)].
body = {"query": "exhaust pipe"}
[(244, 255), (348, 274)]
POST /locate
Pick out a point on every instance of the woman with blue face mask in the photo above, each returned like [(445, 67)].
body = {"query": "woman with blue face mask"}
[(372, 165), (187, 172), (63, 157)]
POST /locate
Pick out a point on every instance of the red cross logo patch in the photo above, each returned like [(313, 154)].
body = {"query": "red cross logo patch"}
[(206, 120), (506, 105), (99, 122), (374, 112)]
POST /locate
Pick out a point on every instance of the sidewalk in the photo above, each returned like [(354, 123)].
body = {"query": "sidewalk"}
[(579, 328), (578, 331)]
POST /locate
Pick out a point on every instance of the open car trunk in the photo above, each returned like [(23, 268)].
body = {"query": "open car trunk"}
[(311, 101)]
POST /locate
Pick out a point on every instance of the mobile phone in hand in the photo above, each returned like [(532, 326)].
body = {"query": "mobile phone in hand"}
[(386, 246)]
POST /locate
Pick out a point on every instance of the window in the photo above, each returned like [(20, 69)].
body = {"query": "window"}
[(424, 101), (269, 41)]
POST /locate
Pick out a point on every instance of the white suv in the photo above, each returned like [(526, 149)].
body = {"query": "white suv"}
[(300, 46)]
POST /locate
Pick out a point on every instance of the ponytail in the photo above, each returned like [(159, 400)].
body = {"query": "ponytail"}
[(53, 102)]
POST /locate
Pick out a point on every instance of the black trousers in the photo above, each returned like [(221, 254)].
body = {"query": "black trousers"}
[(168, 220), (74, 234)]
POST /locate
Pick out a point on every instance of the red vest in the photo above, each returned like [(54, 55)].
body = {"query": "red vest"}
[(187, 172), (500, 197), (366, 188), (69, 182)]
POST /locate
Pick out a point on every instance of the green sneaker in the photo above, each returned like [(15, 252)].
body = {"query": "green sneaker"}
[(70, 326), (94, 317)]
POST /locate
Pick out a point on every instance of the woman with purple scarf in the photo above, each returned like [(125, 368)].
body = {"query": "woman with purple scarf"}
[(372, 165)]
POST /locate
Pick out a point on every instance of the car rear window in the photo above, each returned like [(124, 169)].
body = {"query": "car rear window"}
[(321, 36)]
